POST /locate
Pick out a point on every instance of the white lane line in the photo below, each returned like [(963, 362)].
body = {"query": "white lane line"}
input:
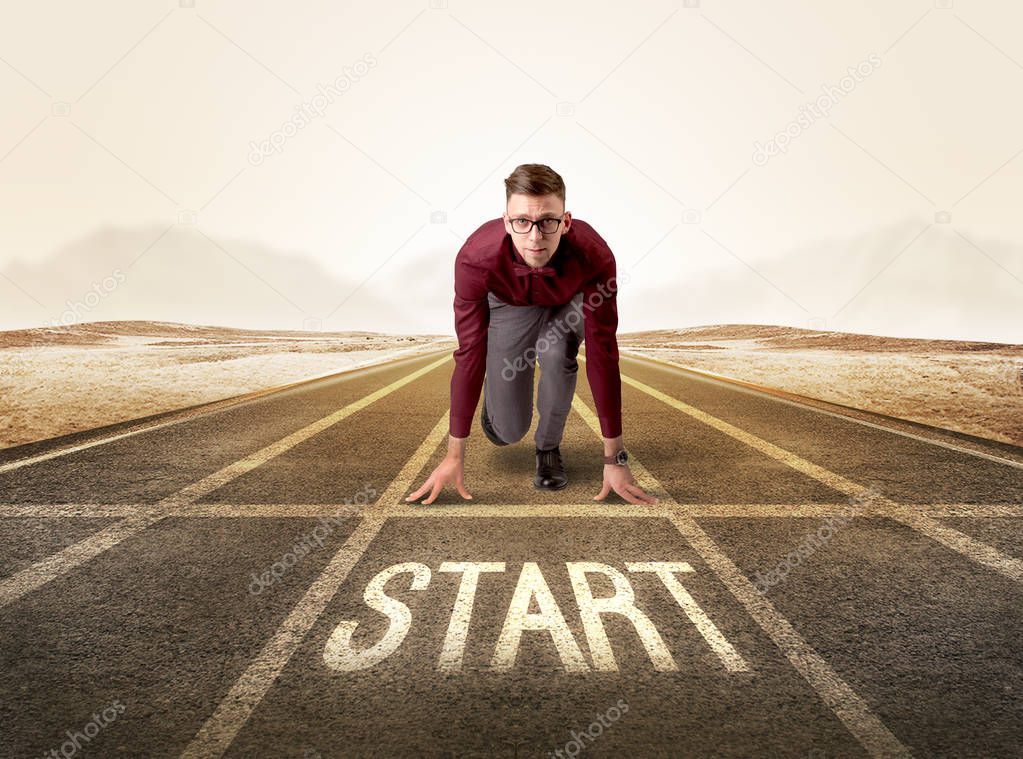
[(184, 416), (528, 510), (951, 510), (962, 544), (217, 733), (218, 479), (72, 510), (847, 705), (40, 573), (234, 710), (597, 510), (771, 392)]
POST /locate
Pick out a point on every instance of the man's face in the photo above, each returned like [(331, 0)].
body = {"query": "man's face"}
[(535, 247)]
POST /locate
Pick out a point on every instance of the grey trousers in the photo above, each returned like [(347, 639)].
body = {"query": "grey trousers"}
[(518, 337)]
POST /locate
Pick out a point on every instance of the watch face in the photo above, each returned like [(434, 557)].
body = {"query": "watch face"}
[(621, 457)]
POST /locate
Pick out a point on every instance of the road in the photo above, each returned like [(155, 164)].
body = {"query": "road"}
[(249, 582)]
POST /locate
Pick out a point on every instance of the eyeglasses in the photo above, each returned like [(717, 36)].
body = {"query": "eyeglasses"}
[(547, 226)]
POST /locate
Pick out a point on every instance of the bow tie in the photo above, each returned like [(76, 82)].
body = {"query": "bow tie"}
[(524, 271)]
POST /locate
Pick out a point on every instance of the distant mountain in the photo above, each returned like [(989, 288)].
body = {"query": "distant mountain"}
[(940, 286), (137, 274)]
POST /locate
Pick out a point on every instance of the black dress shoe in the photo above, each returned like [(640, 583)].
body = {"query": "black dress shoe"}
[(550, 471), (488, 428)]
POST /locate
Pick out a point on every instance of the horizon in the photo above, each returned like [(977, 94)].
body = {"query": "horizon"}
[(861, 181), (328, 333)]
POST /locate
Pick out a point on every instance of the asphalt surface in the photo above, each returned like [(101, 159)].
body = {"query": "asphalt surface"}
[(213, 587)]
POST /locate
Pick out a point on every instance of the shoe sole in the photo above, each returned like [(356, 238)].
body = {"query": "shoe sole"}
[(544, 487)]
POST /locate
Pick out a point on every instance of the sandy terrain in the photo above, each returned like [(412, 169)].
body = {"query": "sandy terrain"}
[(970, 387), (55, 381), (59, 380)]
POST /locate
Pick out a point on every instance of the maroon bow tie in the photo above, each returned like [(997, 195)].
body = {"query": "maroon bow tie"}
[(524, 271)]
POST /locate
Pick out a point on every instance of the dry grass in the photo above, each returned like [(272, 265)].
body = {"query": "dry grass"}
[(970, 387), (67, 379), (61, 380)]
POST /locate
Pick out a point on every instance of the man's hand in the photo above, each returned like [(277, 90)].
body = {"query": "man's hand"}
[(620, 479), (451, 469)]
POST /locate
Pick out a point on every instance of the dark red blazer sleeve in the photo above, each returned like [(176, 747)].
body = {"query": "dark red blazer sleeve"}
[(600, 314), (472, 320)]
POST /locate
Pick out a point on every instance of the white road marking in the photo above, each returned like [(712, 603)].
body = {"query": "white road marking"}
[(72, 510), (453, 651), (533, 587), (42, 572), (217, 733), (62, 562), (184, 416), (773, 394), (847, 705), (963, 544), (949, 510), (666, 570), (972, 549), (622, 603), (699, 510), (235, 709), (338, 653), (527, 510)]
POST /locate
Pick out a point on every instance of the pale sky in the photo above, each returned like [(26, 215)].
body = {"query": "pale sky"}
[(127, 167)]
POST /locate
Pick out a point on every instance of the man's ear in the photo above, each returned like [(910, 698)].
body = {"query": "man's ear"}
[(568, 220)]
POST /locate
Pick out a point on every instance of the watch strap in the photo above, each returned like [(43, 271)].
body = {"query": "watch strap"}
[(613, 459)]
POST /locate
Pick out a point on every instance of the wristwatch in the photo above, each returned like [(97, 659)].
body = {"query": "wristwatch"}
[(621, 458)]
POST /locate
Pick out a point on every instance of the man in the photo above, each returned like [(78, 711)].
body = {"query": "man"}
[(531, 286)]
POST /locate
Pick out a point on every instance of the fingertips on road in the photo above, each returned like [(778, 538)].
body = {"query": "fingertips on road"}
[(270, 611)]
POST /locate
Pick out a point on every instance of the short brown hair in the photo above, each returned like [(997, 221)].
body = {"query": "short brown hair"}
[(534, 179)]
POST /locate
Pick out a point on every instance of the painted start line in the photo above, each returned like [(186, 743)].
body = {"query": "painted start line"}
[(532, 588)]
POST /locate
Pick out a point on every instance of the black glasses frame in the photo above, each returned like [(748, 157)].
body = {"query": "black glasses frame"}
[(536, 224)]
